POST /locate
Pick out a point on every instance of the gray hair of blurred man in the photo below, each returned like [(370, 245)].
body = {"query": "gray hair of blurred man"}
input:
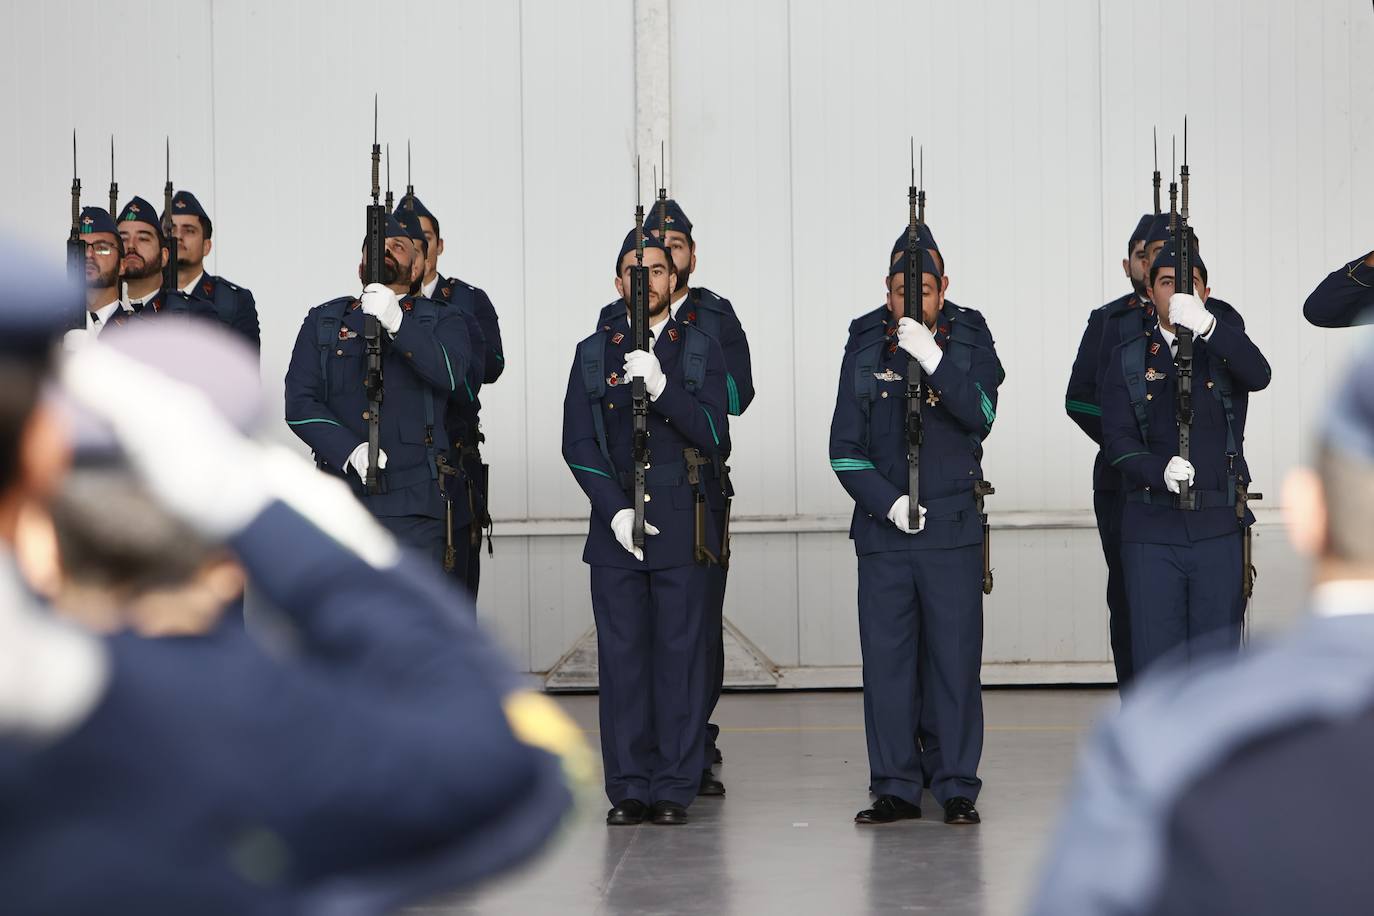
[(114, 542)]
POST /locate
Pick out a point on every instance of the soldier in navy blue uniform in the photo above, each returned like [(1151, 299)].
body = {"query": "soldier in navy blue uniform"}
[(424, 363), (1183, 800), (920, 591), (1344, 296), (714, 314), (652, 606), (464, 415), (1182, 567), (204, 774), (104, 268), (233, 305), (1084, 407), (145, 254)]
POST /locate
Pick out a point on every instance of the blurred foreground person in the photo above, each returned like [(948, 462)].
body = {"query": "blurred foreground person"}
[(1345, 297), (1242, 785), (392, 758)]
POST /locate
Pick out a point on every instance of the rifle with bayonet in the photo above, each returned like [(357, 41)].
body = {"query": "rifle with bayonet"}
[(389, 207), (915, 378), (639, 395), (1183, 362), (374, 259), (76, 248), (169, 231), (1156, 175), (114, 186)]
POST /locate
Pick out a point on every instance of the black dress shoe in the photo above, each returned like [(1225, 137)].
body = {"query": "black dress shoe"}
[(716, 758), (887, 809), (627, 813), (960, 810), (669, 813), (710, 785)]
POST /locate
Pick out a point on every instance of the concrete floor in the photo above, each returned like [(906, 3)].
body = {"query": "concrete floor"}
[(784, 841)]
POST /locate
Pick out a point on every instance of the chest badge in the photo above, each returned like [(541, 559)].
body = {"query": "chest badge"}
[(207, 288), (1154, 375), (932, 397), (1154, 348), (613, 380), (617, 339), (347, 334), (672, 334), (887, 375)]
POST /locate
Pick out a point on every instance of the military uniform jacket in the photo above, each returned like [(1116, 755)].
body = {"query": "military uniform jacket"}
[(1342, 297), (457, 292), (1150, 515), (384, 745), (422, 367), (1081, 399), (678, 420), (465, 406), (716, 316), (868, 441), (178, 303), (233, 306)]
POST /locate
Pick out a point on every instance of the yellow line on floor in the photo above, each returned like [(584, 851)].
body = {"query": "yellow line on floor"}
[(796, 729)]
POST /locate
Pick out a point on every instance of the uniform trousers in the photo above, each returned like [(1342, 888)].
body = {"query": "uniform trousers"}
[(427, 536), (714, 631), (653, 670), (907, 597), (1184, 598), (1108, 505)]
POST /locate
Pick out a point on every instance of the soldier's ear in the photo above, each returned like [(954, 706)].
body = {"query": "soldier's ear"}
[(944, 284), (692, 265), (209, 244), (620, 287), (439, 251), (1126, 266), (1304, 511), (165, 255)]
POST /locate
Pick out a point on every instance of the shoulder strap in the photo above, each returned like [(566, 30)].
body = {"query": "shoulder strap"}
[(695, 351), (224, 301), (1133, 368), (866, 362), (591, 357)]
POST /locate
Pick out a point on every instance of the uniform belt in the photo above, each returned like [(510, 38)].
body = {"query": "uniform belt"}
[(399, 480), (669, 474), (1203, 499)]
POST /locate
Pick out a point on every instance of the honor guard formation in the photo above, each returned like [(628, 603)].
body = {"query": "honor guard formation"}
[(147, 732)]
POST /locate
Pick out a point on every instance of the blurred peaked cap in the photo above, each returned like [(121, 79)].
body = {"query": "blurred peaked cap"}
[(629, 245), (928, 265), (677, 220), (410, 222), (1142, 229), (1168, 257), (95, 219), (923, 234), (201, 354), (184, 203), (39, 300), (411, 202), (1349, 423), (139, 210)]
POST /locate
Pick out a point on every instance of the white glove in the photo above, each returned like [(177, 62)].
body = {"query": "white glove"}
[(642, 364), (384, 305), (76, 338), (900, 515), (1187, 310), (623, 527), (194, 463), (915, 338), (357, 460), (1178, 470)]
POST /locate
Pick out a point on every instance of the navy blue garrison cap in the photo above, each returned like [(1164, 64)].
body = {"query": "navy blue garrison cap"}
[(201, 354), (38, 301), (1349, 423), (184, 203), (1142, 229), (1159, 230), (411, 202), (923, 233), (629, 245), (139, 210), (394, 229), (410, 222), (928, 265), (677, 220), (95, 219)]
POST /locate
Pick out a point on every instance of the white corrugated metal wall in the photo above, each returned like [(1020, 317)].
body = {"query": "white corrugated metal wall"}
[(788, 126)]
